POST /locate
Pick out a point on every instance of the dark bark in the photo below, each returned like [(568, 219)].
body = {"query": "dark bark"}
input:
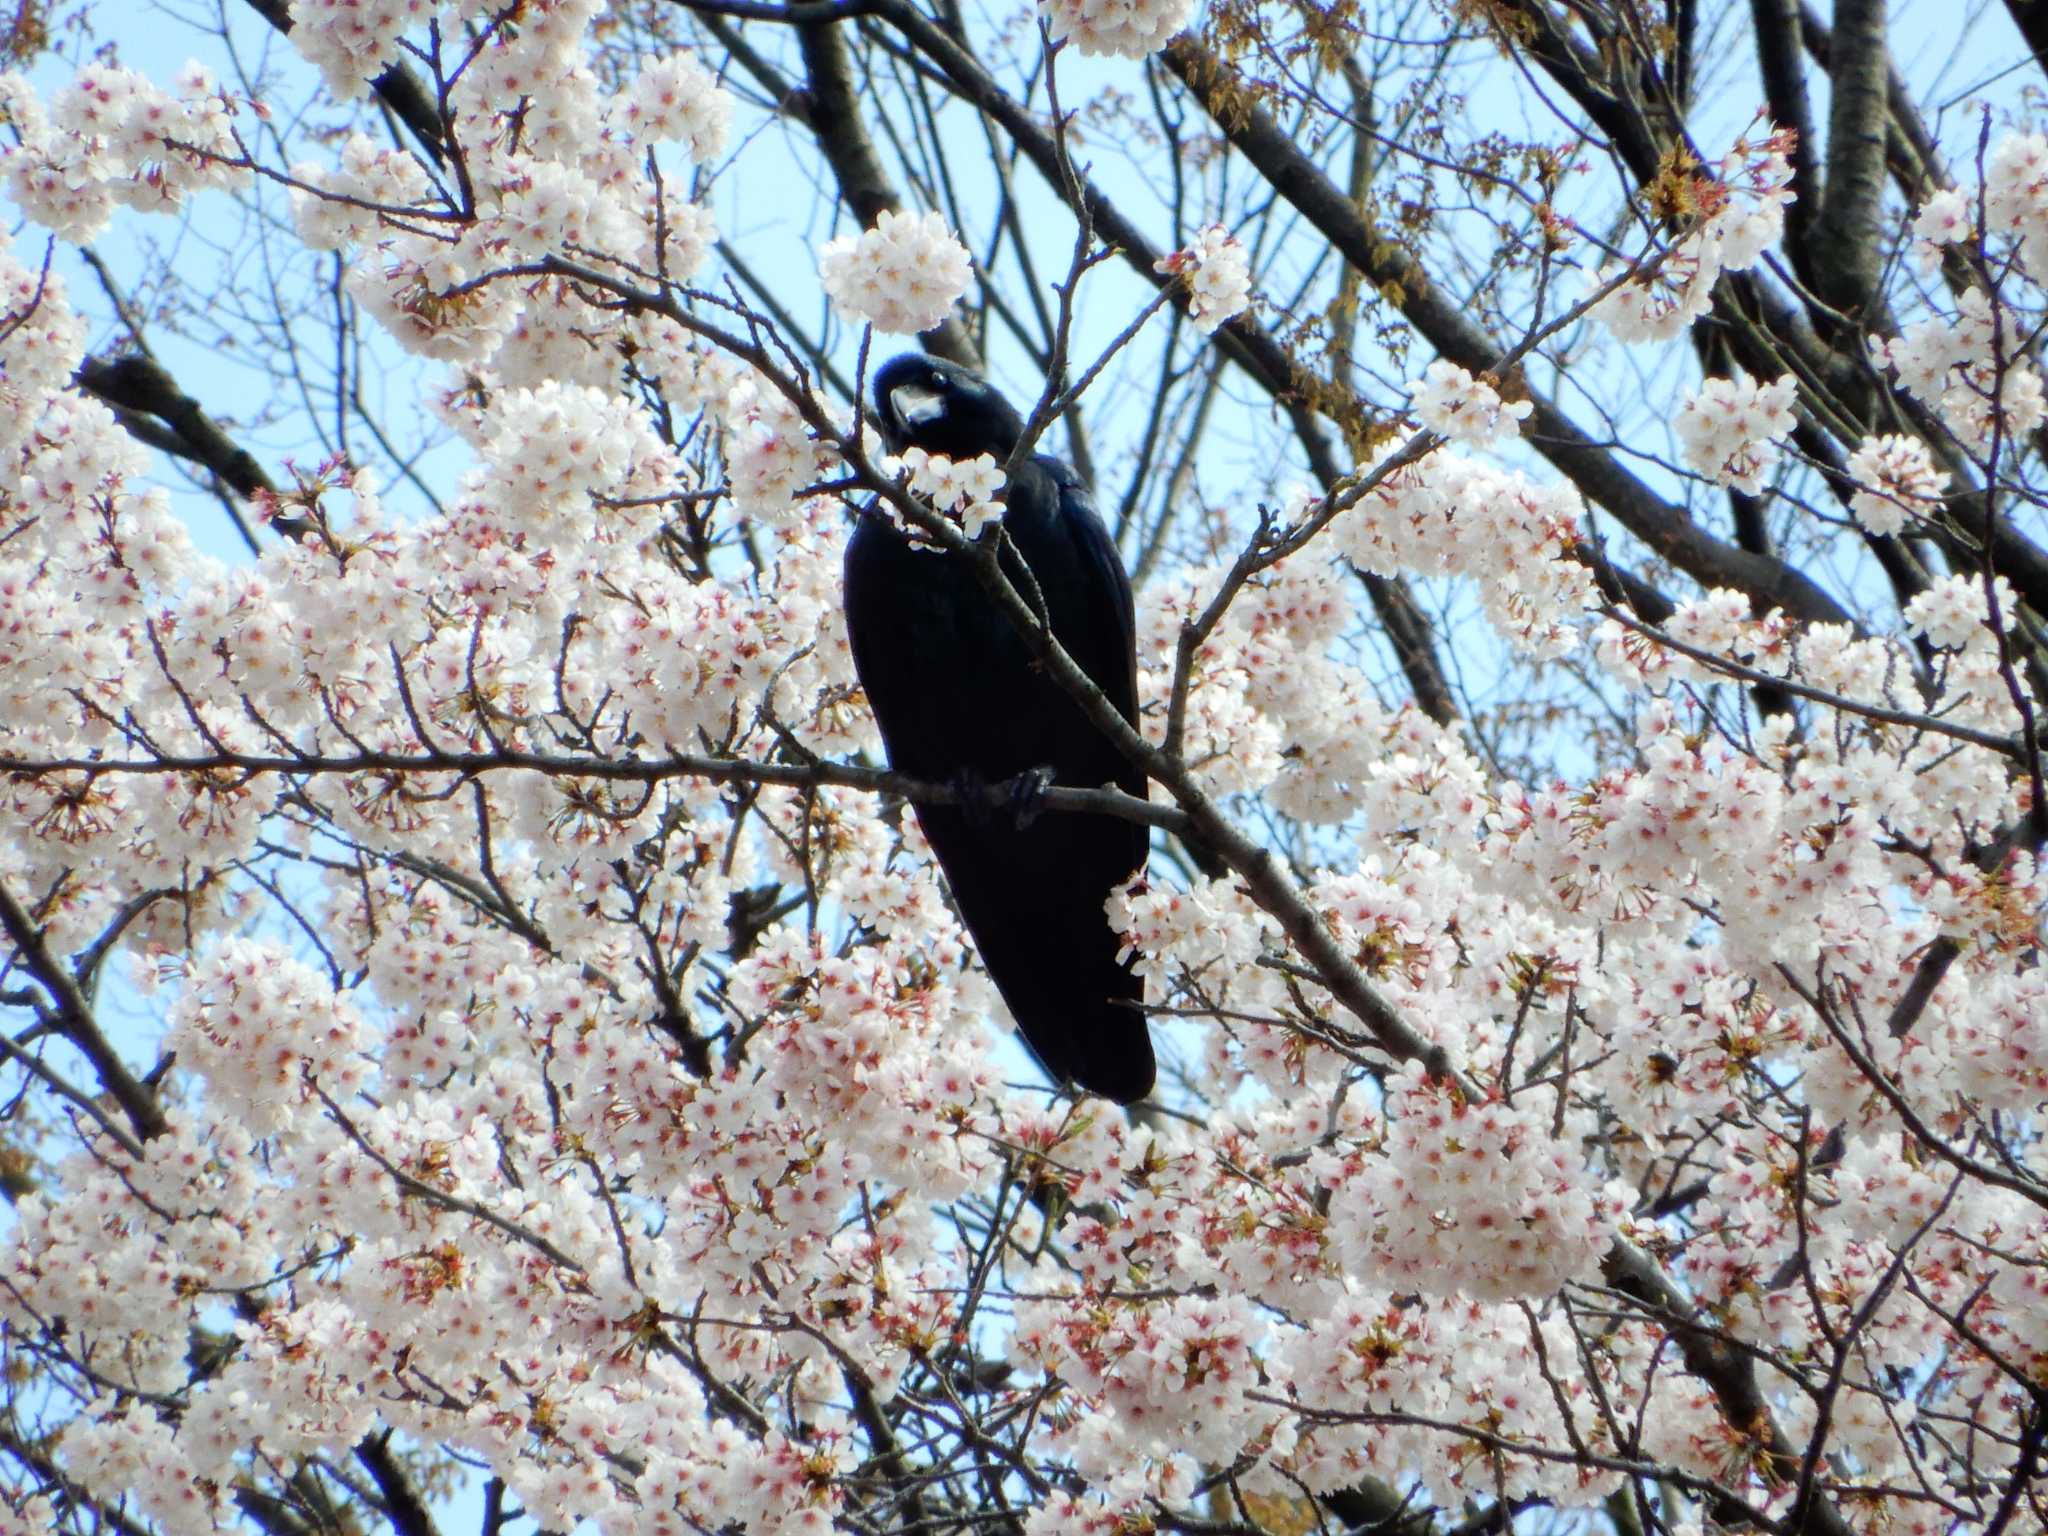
[(1780, 54), (1847, 252), (137, 386), (2031, 17), (74, 1017), (403, 1506)]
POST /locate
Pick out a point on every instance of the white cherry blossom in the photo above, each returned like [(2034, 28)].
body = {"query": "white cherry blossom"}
[(1217, 269), (1128, 28), (903, 276), (1731, 428), (1449, 400)]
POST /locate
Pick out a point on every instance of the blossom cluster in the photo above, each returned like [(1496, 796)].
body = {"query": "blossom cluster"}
[(1743, 210), (902, 276), (1218, 272), (1453, 515), (352, 43), (1984, 389), (447, 1078), (1377, 1370), (962, 488), (2015, 194), (675, 100), (1130, 29), (1970, 365), (1528, 1218), (557, 169), (113, 138), (1466, 410), (1731, 428), (1897, 481)]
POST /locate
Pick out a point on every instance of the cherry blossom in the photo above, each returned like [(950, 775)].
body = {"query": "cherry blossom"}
[(676, 99), (1982, 390), (1451, 514), (2016, 194), (1731, 429), (1901, 479), (477, 1017), (1128, 28), (904, 275), (113, 138), (1747, 202), (369, 177), (1466, 410), (1944, 219), (350, 42), (1218, 273), (964, 488)]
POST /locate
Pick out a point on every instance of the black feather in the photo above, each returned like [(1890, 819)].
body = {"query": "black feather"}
[(959, 697)]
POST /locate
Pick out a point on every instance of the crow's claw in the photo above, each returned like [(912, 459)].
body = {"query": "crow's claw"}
[(1027, 795)]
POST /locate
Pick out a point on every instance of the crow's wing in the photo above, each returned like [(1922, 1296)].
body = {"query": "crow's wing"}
[(1101, 630), (956, 692)]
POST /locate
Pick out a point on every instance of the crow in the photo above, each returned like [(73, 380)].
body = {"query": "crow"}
[(961, 701)]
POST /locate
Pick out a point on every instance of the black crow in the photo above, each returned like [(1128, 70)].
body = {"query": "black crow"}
[(960, 700)]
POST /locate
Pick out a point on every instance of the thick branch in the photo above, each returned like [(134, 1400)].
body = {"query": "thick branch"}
[(1413, 640), (1780, 57), (1847, 254), (403, 1506), (1557, 45), (1727, 1370), (842, 135), (2031, 17), (1910, 148), (139, 384)]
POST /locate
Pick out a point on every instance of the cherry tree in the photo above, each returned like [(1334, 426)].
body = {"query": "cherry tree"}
[(485, 1044)]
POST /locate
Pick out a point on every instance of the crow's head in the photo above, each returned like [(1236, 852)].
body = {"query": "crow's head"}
[(929, 403)]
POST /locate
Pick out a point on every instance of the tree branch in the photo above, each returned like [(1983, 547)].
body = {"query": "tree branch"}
[(628, 770), (397, 87), (403, 1506), (1846, 254), (1445, 324), (75, 1019)]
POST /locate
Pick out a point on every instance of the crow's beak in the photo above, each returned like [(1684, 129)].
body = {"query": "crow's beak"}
[(915, 405)]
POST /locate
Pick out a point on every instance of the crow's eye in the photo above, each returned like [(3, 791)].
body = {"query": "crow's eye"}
[(916, 405)]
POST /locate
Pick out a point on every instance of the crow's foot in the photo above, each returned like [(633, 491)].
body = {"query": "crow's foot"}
[(1027, 793)]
